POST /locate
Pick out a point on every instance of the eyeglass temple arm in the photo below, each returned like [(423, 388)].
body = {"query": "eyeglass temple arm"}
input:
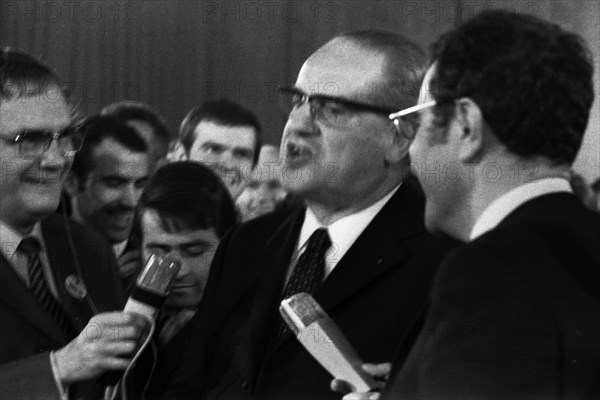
[(412, 109)]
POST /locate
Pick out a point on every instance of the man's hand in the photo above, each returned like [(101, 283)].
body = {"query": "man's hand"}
[(105, 344), (378, 371), (130, 263)]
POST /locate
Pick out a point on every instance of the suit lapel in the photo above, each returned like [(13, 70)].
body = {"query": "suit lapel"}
[(61, 259), (376, 251), (15, 295), (277, 254)]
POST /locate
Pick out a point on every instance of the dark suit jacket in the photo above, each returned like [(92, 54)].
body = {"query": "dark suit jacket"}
[(515, 313), (28, 333), (157, 372), (374, 293)]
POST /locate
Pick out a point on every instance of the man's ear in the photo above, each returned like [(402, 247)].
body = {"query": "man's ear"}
[(71, 185), (471, 123), (400, 138)]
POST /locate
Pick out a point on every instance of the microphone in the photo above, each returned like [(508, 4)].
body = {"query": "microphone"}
[(153, 285), (319, 334), (147, 298)]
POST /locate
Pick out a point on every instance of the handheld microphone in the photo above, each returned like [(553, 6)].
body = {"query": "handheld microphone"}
[(147, 298), (319, 334), (153, 285)]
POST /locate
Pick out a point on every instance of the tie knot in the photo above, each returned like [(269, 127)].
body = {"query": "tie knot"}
[(29, 246), (319, 241)]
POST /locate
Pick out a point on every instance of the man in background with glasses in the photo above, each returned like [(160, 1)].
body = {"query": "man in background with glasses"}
[(55, 276), (359, 247)]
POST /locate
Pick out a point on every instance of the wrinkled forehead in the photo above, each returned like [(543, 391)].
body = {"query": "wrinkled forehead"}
[(45, 110), (342, 68)]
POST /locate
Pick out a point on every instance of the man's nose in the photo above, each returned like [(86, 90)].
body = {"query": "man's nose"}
[(185, 267), (229, 160), (301, 121), (54, 157), (130, 196)]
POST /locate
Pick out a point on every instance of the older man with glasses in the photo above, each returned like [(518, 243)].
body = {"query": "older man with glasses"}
[(57, 279), (359, 247)]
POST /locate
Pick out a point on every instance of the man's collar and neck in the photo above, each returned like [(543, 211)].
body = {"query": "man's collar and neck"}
[(519, 180), (500, 208), (340, 226), (23, 228), (10, 238), (327, 211)]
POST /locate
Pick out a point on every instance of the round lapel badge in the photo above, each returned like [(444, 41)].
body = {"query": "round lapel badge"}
[(75, 287)]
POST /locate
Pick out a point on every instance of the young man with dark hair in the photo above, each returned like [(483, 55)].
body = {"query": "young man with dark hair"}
[(225, 136), (107, 178), (515, 313), (58, 280), (185, 209), (147, 122)]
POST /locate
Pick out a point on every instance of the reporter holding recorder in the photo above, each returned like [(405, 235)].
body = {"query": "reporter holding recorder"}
[(58, 281)]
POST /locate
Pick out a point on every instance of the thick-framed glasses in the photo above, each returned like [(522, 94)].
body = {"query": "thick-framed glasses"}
[(34, 143), (330, 110)]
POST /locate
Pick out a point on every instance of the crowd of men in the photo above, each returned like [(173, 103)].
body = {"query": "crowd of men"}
[(447, 243)]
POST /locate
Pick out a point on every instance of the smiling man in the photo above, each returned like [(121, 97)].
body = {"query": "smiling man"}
[(57, 279), (226, 137), (360, 246), (107, 179)]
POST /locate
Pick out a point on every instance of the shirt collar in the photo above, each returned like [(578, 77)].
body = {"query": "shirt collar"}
[(119, 248), (10, 239), (346, 230), (508, 202)]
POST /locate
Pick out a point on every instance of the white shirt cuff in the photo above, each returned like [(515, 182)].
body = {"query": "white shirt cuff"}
[(63, 391)]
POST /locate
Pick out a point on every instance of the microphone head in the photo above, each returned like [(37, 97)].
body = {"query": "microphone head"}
[(301, 310), (159, 273)]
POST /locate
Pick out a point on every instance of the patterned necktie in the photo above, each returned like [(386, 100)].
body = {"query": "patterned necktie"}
[(38, 286), (309, 271)]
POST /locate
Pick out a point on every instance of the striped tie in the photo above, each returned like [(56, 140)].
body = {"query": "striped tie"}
[(38, 286)]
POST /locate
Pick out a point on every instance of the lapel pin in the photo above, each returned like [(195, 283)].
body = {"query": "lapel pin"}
[(75, 287)]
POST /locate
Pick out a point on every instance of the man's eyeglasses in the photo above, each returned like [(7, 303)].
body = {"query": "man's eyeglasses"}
[(327, 109), (395, 117), (34, 143)]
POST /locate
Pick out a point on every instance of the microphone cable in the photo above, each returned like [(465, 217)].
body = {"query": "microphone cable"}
[(110, 392)]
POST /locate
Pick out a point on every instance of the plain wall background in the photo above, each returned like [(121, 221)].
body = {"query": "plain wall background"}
[(175, 54)]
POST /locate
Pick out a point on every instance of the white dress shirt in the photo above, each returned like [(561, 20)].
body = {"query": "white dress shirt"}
[(511, 200), (343, 232), (119, 248), (10, 240)]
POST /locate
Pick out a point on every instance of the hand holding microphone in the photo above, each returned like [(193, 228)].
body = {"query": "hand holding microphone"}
[(111, 340), (105, 344), (380, 372)]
